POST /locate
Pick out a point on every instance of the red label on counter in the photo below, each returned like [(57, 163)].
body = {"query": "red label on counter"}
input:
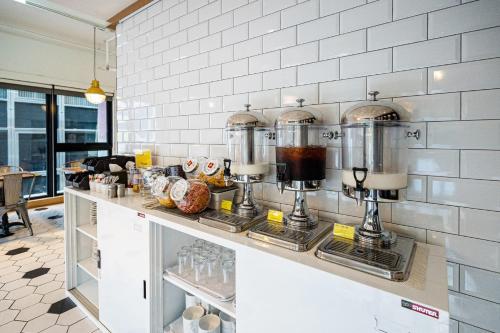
[(420, 309), (141, 215)]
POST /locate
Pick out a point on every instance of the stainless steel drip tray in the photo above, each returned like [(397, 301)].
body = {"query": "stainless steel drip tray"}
[(393, 264), (229, 221), (177, 212), (289, 237)]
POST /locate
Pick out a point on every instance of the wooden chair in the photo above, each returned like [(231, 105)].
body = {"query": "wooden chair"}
[(15, 201)]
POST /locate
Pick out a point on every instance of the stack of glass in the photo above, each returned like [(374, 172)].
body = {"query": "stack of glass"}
[(207, 264)]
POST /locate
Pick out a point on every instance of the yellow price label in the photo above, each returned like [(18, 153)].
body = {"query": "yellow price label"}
[(342, 230), (275, 215), (226, 205)]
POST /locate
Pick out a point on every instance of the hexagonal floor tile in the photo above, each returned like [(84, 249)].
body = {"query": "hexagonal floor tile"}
[(48, 287), (83, 326), (54, 296), (7, 315), (26, 301), (56, 329), (48, 257), (30, 266), (54, 263), (38, 248), (70, 317), (42, 253), (25, 261), (39, 324), (60, 277), (62, 306), (13, 285), (32, 312), (34, 273), (19, 250), (5, 304), (11, 277), (58, 269), (38, 281), (12, 327), (20, 292), (10, 269), (21, 256)]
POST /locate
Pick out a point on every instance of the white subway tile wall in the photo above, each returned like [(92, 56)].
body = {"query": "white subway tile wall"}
[(185, 66)]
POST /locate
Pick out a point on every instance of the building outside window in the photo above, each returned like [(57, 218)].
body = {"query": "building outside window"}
[(81, 130)]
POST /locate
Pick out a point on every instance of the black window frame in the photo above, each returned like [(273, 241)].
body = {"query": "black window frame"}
[(54, 147)]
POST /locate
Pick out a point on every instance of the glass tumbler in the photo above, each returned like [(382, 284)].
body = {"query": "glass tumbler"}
[(212, 268), (199, 268), (182, 262), (228, 271), (195, 253)]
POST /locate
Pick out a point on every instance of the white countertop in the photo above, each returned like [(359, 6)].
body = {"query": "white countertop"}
[(427, 283)]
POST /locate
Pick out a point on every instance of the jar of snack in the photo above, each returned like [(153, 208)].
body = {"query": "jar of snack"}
[(212, 173), (161, 190), (192, 166), (190, 196)]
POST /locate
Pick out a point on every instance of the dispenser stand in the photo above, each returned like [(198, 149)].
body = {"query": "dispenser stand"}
[(299, 230), (372, 250), (243, 215)]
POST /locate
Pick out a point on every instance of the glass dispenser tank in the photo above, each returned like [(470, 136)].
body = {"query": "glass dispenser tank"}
[(301, 142), (248, 138), (375, 137)]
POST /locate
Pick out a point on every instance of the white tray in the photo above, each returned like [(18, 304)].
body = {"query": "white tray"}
[(216, 290)]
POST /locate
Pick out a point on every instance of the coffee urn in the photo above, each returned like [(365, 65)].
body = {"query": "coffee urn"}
[(375, 138)]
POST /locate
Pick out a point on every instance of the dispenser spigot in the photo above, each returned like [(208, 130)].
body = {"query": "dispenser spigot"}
[(359, 190), (227, 171), (281, 176)]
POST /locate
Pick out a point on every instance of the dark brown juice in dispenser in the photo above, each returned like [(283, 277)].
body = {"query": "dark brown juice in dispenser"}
[(303, 163)]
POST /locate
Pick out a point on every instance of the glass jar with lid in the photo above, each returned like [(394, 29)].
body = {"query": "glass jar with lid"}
[(212, 172), (248, 135), (192, 166), (190, 196)]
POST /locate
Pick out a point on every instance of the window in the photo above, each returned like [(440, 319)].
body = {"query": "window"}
[(81, 122), (80, 130)]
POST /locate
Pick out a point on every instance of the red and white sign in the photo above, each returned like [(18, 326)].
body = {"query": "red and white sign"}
[(420, 309)]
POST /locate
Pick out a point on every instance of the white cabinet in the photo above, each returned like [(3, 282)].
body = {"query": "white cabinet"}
[(124, 275)]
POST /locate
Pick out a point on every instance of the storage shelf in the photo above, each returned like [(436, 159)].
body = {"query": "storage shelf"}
[(90, 291), (89, 266), (226, 307), (88, 230)]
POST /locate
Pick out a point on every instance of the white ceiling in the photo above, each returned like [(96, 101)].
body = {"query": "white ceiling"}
[(49, 24)]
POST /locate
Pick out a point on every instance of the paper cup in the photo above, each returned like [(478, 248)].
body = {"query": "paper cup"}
[(228, 323), (191, 300), (191, 317), (209, 324)]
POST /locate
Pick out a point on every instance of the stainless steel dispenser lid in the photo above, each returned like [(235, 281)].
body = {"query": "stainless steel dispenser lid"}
[(246, 119), (375, 110), (296, 117)]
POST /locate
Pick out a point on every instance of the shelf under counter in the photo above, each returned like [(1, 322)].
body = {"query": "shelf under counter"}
[(89, 230), (226, 307), (90, 267)]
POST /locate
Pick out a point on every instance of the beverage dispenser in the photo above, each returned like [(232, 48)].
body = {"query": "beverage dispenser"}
[(375, 163), (301, 142), (248, 137)]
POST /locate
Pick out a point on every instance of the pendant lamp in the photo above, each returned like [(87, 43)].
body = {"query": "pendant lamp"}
[(94, 93)]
